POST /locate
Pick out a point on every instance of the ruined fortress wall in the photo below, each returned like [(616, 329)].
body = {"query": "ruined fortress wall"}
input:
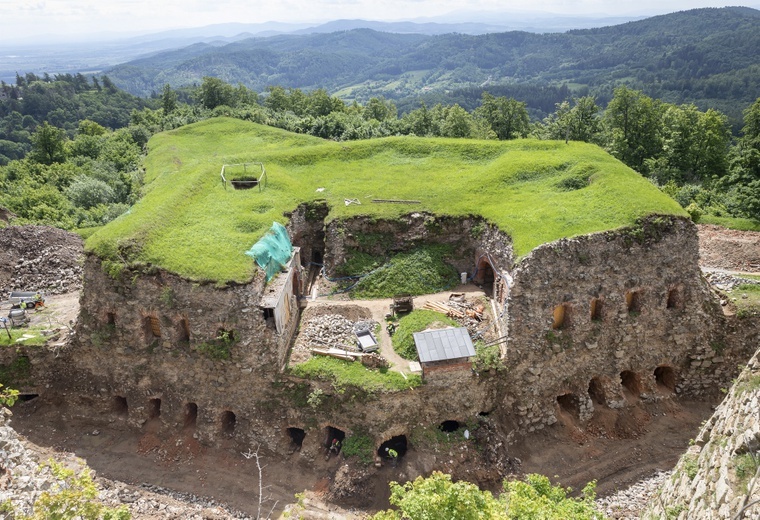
[(589, 312), (720, 474), (468, 237), (670, 338)]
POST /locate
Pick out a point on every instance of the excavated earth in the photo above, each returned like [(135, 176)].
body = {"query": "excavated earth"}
[(635, 448)]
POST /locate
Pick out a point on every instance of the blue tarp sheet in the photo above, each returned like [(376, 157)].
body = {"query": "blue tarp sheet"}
[(273, 251)]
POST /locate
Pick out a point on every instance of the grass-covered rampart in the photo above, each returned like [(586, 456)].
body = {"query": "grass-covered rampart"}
[(536, 191)]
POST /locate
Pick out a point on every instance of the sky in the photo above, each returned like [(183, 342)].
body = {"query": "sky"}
[(22, 18)]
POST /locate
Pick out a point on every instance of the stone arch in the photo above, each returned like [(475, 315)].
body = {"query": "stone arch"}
[(561, 316), (183, 330), (227, 423), (569, 404), (191, 416), (675, 298), (154, 408), (119, 405), (596, 390), (665, 377), (631, 381), (332, 433), (296, 437), (397, 443), (633, 301), (596, 309)]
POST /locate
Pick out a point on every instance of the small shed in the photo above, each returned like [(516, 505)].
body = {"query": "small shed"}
[(444, 350)]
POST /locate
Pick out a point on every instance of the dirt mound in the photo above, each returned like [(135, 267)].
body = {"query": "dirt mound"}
[(729, 249), (39, 258)]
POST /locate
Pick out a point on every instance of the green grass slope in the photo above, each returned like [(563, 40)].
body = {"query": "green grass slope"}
[(537, 191)]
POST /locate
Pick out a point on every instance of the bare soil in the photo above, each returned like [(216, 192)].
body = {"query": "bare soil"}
[(729, 249)]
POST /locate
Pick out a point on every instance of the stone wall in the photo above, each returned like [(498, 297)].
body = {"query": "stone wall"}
[(720, 474), (624, 313), (468, 237), (671, 338)]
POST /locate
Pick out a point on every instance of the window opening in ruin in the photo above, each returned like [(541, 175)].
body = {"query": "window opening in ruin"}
[(665, 377), (120, 406), (191, 415), (154, 408), (23, 398), (561, 316), (568, 403), (631, 382), (633, 301), (269, 317), (397, 443), (151, 328), (296, 436), (674, 299), (596, 390), (332, 433), (111, 318), (228, 421), (449, 426), (183, 331), (596, 309)]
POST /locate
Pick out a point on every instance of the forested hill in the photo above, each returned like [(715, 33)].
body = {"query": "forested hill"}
[(706, 56)]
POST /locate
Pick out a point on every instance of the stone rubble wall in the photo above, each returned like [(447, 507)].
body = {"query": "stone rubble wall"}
[(108, 363), (677, 322), (378, 237), (720, 473)]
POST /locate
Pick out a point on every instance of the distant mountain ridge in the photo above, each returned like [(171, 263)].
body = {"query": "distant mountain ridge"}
[(95, 52), (707, 56)]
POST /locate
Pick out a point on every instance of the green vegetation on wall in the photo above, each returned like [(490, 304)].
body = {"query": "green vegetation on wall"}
[(421, 271)]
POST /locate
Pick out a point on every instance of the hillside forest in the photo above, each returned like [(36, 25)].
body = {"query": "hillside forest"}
[(70, 147)]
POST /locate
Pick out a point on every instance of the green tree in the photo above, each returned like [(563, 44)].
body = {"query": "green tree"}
[(379, 109), (458, 123), (48, 144), (168, 99), (214, 92), (507, 117), (743, 180), (437, 497), (634, 125)]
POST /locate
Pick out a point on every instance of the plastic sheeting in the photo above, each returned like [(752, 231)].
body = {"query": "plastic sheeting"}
[(273, 251)]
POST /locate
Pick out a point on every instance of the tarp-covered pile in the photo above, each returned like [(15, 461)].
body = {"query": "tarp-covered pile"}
[(273, 251)]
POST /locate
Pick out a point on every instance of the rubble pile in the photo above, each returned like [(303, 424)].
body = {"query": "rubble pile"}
[(630, 503), (39, 258), (332, 330), (728, 282)]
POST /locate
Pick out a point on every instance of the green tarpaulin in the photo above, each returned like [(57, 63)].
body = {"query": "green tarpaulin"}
[(273, 251)]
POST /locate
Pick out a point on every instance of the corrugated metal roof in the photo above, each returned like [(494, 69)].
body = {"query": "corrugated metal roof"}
[(437, 345)]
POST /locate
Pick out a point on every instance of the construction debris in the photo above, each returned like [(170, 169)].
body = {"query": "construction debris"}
[(469, 314)]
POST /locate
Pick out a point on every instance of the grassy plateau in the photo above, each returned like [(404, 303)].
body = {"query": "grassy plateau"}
[(536, 191)]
